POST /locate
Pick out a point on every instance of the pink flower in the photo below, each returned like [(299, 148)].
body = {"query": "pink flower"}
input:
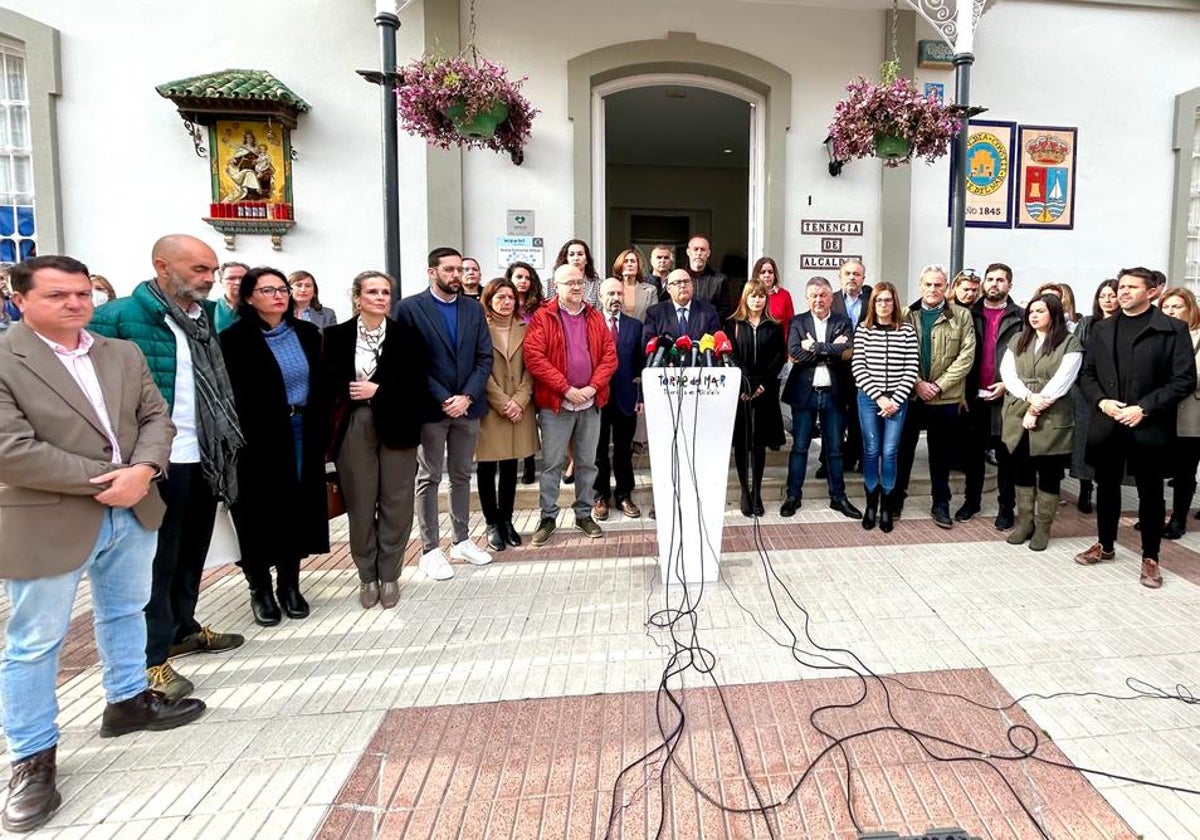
[(891, 109)]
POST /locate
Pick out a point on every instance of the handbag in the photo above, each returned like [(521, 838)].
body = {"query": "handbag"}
[(223, 547), (335, 502)]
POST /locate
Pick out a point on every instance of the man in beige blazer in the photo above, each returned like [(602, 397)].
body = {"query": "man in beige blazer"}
[(83, 434)]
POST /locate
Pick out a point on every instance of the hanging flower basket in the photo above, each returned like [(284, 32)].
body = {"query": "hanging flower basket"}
[(461, 102), (891, 120)]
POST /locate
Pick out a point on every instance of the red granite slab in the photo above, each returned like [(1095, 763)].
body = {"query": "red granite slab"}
[(736, 770)]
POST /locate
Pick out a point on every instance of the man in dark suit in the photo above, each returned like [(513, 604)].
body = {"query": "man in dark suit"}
[(1137, 367), (851, 300), (460, 360), (819, 345), (84, 434), (618, 418), (683, 314)]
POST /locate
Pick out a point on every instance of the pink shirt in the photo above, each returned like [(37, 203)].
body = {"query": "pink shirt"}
[(79, 364)]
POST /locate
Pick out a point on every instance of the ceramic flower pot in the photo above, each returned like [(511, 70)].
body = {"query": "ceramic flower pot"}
[(483, 125), (891, 147)]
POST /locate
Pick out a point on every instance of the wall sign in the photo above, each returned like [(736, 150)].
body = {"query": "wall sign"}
[(935, 54), (835, 227), (989, 174), (1046, 186), (529, 249), (826, 261), (520, 223)]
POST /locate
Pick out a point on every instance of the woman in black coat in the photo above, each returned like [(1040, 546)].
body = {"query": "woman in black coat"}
[(281, 517), (760, 351), (374, 369)]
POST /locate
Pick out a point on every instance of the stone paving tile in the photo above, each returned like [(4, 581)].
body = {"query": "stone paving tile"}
[(423, 774)]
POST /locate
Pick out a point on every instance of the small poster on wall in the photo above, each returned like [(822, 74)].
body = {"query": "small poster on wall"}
[(989, 174), (1046, 177)]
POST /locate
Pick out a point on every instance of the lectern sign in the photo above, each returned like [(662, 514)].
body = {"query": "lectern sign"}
[(689, 423)]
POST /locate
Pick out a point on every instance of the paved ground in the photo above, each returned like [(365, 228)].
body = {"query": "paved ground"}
[(527, 699)]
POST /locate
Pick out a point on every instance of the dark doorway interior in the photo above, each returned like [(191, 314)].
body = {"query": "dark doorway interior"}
[(677, 163)]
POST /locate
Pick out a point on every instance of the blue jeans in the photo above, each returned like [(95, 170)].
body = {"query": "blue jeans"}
[(833, 424), (119, 569), (881, 442)]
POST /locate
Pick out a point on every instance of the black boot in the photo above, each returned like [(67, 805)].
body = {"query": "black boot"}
[(746, 502), (1084, 504), (527, 476), (872, 508), (759, 466), (1181, 500), (288, 578), (886, 507), (1176, 526), (265, 607), (496, 537)]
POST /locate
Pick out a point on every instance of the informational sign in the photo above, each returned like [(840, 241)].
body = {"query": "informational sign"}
[(989, 174), (529, 249), (520, 223), (934, 54), (826, 261), (1046, 168)]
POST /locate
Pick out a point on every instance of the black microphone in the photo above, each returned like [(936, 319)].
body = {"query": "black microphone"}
[(658, 354)]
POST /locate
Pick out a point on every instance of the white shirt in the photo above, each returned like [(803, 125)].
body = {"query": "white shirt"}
[(1060, 383), (821, 378), (185, 449), (79, 364), (367, 347)]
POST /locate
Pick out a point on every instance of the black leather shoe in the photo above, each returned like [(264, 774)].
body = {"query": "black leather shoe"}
[(265, 607), (1176, 527), (293, 603), (941, 516), (845, 507), (150, 711), (495, 538), (510, 534), (966, 513), (1004, 519), (33, 796), (759, 510), (789, 507)]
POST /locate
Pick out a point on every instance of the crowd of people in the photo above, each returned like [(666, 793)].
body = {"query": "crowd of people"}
[(128, 425)]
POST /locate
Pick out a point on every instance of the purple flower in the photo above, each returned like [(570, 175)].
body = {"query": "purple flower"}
[(891, 109)]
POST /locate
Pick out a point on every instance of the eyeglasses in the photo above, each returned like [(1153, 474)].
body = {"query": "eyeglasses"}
[(571, 284), (680, 283), (273, 291)]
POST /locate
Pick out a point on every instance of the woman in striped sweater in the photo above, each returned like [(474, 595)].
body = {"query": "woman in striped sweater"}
[(885, 369)]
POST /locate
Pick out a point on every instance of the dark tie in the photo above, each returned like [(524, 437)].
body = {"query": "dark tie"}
[(613, 327), (683, 325)]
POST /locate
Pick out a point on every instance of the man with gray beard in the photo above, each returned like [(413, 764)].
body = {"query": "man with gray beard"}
[(171, 321)]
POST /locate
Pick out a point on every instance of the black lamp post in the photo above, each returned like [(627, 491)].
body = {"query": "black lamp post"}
[(387, 18)]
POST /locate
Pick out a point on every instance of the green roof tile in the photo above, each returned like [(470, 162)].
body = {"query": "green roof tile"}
[(239, 85)]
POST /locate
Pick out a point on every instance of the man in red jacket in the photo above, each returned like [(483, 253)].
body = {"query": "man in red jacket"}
[(571, 356)]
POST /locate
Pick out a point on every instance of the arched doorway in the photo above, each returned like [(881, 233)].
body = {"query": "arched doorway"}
[(681, 59), (675, 154)]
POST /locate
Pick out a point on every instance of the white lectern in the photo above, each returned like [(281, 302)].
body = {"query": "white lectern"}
[(689, 423)]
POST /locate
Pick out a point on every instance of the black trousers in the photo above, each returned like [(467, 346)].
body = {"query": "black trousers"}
[(942, 429), (617, 428), (976, 439), (497, 508), (179, 560), (1184, 474), (1148, 476), (1043, 471)]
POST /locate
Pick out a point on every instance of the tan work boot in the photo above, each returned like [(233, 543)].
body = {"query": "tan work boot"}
[(1043, 518), (1023, 529)]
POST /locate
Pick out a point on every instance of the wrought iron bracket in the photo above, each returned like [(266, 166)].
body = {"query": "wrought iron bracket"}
[(197, 137)]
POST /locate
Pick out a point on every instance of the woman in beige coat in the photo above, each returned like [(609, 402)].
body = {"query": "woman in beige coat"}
[(1181, 303), (507, 433)]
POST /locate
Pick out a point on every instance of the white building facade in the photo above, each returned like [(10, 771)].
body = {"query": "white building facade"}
[(107, 167)]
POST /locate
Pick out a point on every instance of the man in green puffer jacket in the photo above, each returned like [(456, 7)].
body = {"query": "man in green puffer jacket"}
[(170, 319)]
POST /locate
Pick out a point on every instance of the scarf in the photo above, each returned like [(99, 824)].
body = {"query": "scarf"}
[(217, 427)]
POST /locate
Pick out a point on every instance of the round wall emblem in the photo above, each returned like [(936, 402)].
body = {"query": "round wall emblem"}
[(987, 163)]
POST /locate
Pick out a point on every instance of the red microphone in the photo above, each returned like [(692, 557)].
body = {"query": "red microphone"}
[(656, 351), (683, 345), (725, 352)]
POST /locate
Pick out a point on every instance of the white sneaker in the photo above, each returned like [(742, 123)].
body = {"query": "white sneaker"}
[(473, 554), (435, 564)]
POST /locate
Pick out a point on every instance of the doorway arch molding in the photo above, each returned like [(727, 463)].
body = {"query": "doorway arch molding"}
[(681, 53)]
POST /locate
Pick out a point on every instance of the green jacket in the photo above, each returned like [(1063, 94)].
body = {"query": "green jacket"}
[(1054, 433), (952, 351), (141, 318)]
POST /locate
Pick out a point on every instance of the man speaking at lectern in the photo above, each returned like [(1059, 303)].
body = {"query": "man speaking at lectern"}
[(683, 314)]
